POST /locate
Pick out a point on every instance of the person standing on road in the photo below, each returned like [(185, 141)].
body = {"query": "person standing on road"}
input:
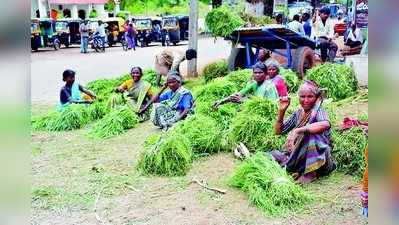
[(130, 37), (100, 30), (323, 29), (84, 36)]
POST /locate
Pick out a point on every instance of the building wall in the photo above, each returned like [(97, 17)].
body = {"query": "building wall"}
[(43, 4)]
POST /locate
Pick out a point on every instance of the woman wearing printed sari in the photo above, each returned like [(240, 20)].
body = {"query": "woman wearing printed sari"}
[(260, 87), (308, 148), (73, 92), (173, 105), (138, 91)]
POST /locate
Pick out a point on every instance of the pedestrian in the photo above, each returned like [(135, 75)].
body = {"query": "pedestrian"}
[(295, 25), (84, 36), (254, 7), (306, 22), (323, 32), (130, 37), (100, 30)]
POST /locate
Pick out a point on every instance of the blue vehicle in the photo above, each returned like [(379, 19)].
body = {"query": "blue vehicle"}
[(297, 49)]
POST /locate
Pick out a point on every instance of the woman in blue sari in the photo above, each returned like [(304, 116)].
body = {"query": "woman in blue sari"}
[(307, 152), (173, 105)]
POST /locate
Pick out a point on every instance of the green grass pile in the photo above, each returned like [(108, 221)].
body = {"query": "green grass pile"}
[(223, 116), (97, 110), (215, 70), (268, 186), (167, 155), (291, 79), (214, 90), (115, 100), (348, 150), (72, 117), (222, 21), (202, 132), (260, 106), (339, 80), (239, 78), (103, 88), (150, 76), (115, 123)]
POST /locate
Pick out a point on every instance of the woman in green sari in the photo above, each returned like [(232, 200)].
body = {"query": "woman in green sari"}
[(173, 105), (139, 92), (260, 87)]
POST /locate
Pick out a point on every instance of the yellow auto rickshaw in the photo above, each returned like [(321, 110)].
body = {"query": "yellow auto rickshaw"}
[(144, 31), (170, 30), (115, 29)]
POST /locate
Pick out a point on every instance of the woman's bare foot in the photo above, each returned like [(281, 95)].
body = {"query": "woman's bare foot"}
[(307, 178)]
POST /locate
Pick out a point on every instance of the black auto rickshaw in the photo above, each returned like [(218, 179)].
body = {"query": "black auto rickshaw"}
[(156, 28), (170, 30), (115, 30), (35, 38), (74, 33), (62, 29), (49, 34), (183, 24), (144, 31)]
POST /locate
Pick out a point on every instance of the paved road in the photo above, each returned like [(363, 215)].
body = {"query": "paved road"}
[(47, 65)]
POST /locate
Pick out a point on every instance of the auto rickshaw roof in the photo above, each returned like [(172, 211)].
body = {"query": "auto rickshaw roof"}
[(69, 20), (113, 19)]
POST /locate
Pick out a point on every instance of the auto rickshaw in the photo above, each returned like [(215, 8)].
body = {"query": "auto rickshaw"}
[(74, 33), (144, 31), (170, 30), (49, 34), (115, 29), (35, 39), (183, 24), (62, 29)]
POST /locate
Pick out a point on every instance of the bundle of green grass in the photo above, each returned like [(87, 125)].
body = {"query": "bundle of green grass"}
[(348, 150), (150, 76), (215, 70), (115, 123), (291, 79), (340, 80), (103, 88), (268, 186), (203, 134), (239, 78), (214, 90), (223, 115), (97, 110), (72, 117), (167, 155), (222, 21), (254, 126)]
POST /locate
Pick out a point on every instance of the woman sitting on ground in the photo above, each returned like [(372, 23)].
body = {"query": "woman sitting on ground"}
[(308, 148), (139, 91), (260, 87), (73, 92), (173, 105)]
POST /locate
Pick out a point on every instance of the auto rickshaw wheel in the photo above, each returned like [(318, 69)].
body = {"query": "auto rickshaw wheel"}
[(303, 60), (237, 58), (174, 43), (57, 45)]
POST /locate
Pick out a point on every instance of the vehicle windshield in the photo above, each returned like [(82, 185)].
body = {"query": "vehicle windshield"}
[(34, 27), (170, 22), (143, 23), (59, 26)]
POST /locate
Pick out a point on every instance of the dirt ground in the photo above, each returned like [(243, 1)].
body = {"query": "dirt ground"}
[(78, 180)]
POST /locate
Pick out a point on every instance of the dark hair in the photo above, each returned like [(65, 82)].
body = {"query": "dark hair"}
[(139, 68), (68, 73), (191, 54), (306, 16), (279, 16), (296, 17), (260, 65), (325, 10)]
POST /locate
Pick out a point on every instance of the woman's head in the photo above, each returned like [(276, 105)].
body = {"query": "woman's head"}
[(68, 76), (263, 54), (308, 94), (174, 81), (272, 68), (136, 73), (259, 72)]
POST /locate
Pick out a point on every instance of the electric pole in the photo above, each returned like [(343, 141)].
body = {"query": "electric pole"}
[(193, 37)]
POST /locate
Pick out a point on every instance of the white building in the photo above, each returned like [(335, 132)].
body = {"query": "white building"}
[(69, 8)]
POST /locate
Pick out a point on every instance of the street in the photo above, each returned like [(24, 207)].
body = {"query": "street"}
[(47, 65)]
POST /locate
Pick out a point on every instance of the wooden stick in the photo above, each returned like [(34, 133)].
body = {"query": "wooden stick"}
[(209, 188)]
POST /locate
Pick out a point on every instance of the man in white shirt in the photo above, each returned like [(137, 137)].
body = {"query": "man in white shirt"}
[(101, 32), (323, 32), (295, 25), (254, 7), (355, 37)]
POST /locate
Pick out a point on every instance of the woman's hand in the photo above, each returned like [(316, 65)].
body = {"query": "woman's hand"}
[(292, 136), (236, 98), (216, 105), (283, 104)]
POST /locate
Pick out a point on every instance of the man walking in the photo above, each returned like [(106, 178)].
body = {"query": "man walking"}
[(84, 35)]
